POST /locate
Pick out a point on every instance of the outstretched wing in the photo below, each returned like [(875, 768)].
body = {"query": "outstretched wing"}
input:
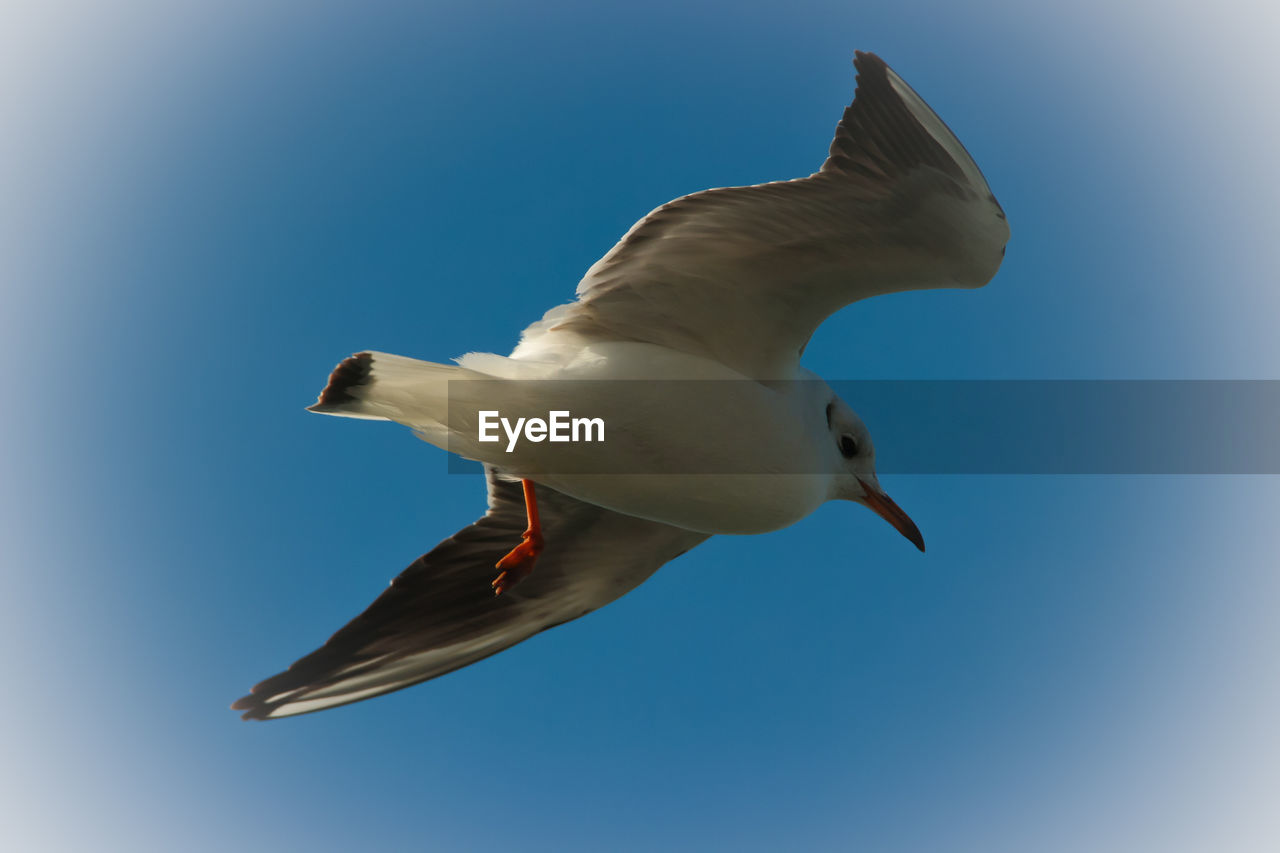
[(441, 614), (744, 275)]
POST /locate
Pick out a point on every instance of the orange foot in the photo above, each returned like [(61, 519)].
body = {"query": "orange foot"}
[(518, 563)]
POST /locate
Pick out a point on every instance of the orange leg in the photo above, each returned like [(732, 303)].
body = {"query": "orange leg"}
[(518, 563)]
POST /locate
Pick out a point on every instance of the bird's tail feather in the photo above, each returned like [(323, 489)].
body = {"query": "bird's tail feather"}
[(380, 386)]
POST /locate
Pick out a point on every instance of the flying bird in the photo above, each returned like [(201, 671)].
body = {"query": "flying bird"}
[(724, 287)]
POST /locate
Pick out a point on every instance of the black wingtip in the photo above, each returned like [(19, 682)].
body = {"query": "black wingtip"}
[(253, 707), (865, 60), (352, 372), (879, 138), (869, 69)]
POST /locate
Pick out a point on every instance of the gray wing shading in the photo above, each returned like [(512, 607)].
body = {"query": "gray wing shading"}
[(746, 274), (440, 614)]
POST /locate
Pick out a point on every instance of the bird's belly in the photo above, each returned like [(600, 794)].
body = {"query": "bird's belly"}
[(707, 503), (716, 453)]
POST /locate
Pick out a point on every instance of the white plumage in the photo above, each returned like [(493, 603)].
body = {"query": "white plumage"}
[(719, 290)]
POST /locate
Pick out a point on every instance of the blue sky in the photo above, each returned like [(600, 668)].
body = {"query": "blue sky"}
[(208, 207)]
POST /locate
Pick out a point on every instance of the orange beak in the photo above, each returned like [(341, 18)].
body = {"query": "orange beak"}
[(883, 506)]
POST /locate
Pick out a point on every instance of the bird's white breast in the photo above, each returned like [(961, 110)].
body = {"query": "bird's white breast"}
[(688, 442)]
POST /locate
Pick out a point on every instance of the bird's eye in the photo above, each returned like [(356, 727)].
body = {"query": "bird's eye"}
[(848, 446)]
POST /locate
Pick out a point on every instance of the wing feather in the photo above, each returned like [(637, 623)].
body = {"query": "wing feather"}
[(440, 614), (746, 274)]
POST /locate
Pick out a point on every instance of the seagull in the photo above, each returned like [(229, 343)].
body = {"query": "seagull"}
[(724, 287)]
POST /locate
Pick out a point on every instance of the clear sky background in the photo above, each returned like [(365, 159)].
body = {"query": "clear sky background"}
[(203, 206)]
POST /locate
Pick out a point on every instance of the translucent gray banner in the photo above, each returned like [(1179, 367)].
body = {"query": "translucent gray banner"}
[(918, 426)]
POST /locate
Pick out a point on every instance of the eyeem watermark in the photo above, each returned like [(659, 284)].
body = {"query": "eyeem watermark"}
[(964, 427), (559, 426)]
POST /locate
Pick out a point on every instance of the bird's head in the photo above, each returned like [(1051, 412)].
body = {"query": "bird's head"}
[(856, 481)]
